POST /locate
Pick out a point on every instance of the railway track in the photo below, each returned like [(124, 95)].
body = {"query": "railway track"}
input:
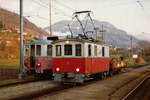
[(24, 91), (132, 93), (39, 93), (46, 88), (18, 83), (49, 89)]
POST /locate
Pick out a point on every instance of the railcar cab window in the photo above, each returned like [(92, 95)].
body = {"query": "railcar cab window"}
[(27, 48), (58, 50), (68, 49), (103, 51), (49, 50), (38, 50), (78, 49), (89, 50)]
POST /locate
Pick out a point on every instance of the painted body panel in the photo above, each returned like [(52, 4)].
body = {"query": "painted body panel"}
[(86, 65), (45, 63)]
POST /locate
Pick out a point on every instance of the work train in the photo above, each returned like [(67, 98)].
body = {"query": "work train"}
[(69, 60), (72, 59)]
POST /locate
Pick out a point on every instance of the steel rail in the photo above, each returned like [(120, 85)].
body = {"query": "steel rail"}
[(128, 94)]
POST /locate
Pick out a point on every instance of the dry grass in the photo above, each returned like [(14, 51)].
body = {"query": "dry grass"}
[(9, 63)]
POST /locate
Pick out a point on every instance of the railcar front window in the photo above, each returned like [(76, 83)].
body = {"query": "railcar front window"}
[(78, 49), (68, 49), (58, 50), (89, 50), (95, 50), (38, 50), (27, 48), (49, 50)]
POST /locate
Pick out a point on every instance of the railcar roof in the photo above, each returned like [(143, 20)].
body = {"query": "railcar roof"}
[(39, 41), (79, 40)]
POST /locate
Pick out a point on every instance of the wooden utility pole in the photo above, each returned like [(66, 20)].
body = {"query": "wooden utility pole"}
[(50, 16)]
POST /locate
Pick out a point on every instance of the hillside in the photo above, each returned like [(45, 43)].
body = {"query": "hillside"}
[(11, 21), (9, 35), (112, 36)]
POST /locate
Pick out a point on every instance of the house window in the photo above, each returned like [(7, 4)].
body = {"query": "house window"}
[(49, 50), (27, 49), (38, 50), (58, 50), (89, 50), (78, 49), (68, 49), (103, 51), (95, 50)]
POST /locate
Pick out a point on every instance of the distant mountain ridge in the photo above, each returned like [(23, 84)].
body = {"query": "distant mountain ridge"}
[(112, 35), (11, 21)]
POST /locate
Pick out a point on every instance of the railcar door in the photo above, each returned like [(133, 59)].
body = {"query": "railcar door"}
[(32, 56)]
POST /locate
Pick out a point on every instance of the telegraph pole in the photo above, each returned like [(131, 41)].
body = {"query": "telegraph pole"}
[(102, 32), (21, 39), (96, 31), (50, 16), (131, 45)]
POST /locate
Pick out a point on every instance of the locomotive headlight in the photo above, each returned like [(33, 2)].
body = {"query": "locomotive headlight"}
[(67, 42), (77, 69), (118, 65), (38, 65), (57, 69)]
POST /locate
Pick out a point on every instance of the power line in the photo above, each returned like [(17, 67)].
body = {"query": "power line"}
[(142, 7), (64, 5), (46, 6), (39, 3)]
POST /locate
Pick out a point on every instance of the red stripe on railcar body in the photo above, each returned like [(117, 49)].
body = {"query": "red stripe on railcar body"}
[(86, 65)]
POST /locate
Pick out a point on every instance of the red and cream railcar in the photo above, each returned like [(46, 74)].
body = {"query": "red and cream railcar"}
[(38, 56), (75, 60)]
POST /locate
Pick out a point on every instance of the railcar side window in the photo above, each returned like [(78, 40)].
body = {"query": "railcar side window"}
[(78, 49), (27, 48), (95, 50), (103, 51), (68, 49), (38, 50), (49, 50), (89, 50), (58, 50)]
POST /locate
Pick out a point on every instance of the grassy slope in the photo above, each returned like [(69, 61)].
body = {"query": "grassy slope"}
[(9, 63)]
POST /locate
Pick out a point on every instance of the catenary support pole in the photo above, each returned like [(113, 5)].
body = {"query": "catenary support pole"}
[(50, 15), (21, 40)]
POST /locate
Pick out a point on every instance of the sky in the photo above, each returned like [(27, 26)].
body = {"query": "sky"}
[(133, 16)]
